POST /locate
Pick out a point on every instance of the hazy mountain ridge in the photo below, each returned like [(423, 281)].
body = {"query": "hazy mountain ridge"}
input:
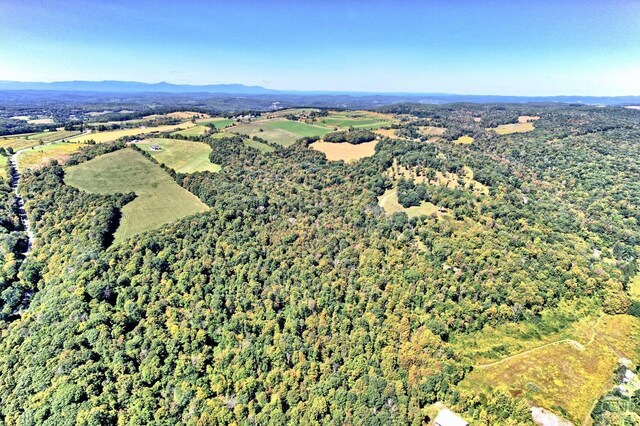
[(113, 86)]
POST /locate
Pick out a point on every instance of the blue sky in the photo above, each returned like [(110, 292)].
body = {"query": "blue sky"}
[(460, 46)]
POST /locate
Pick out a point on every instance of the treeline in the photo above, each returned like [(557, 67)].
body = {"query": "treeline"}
[(350, 136), (13, 242)]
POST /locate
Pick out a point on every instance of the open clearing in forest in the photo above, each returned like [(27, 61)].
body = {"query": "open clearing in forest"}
[(112, 135), (181, 156), (345, 151), (389, 202), (565, 373), (159, 200), (431, 130), (40, 156), (387, 133), (463, 181), (528, 118), (464, 140), (507, 129)]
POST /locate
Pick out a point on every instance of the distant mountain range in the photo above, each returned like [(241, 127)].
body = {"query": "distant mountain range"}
[(134, 87)]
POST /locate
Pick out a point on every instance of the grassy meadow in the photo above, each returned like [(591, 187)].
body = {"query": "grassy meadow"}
[(389, 202), (219, 122), (262, 147), (464, 140), (556, 363), (280, 131), (432, 131), (192, 131), (159, 200), (181, 156), (507, 129), (31, 140), (275, 128), (357, 119), (41, 155), (345, 151)]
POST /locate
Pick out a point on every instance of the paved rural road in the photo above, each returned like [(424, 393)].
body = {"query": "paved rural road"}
[(15, 177)]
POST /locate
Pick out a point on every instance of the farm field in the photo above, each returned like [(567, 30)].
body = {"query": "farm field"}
[(33, 140), (3, 166), (389, 202), (181, 115), (507, 129), (192, 131), (565, 372), (296, 111), (18, 143), (280, 131), (345, 151), (262, 147), (108, 136), (159, 200), (219, 122), (356, 119), (41, 155), (181, 156)]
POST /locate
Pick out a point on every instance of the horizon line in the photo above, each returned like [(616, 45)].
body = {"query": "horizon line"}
[(303, 91)]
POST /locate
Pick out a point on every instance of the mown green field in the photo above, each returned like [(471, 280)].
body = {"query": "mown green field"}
[(219, 122), (192, 131), (159, 200), (181, 156), (282, 132), (356, 119), (262, 147)]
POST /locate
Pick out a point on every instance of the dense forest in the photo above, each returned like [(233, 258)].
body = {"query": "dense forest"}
[(295, 298)]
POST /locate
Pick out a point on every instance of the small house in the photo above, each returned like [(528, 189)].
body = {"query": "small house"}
[(155, 148), (447, 417)]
